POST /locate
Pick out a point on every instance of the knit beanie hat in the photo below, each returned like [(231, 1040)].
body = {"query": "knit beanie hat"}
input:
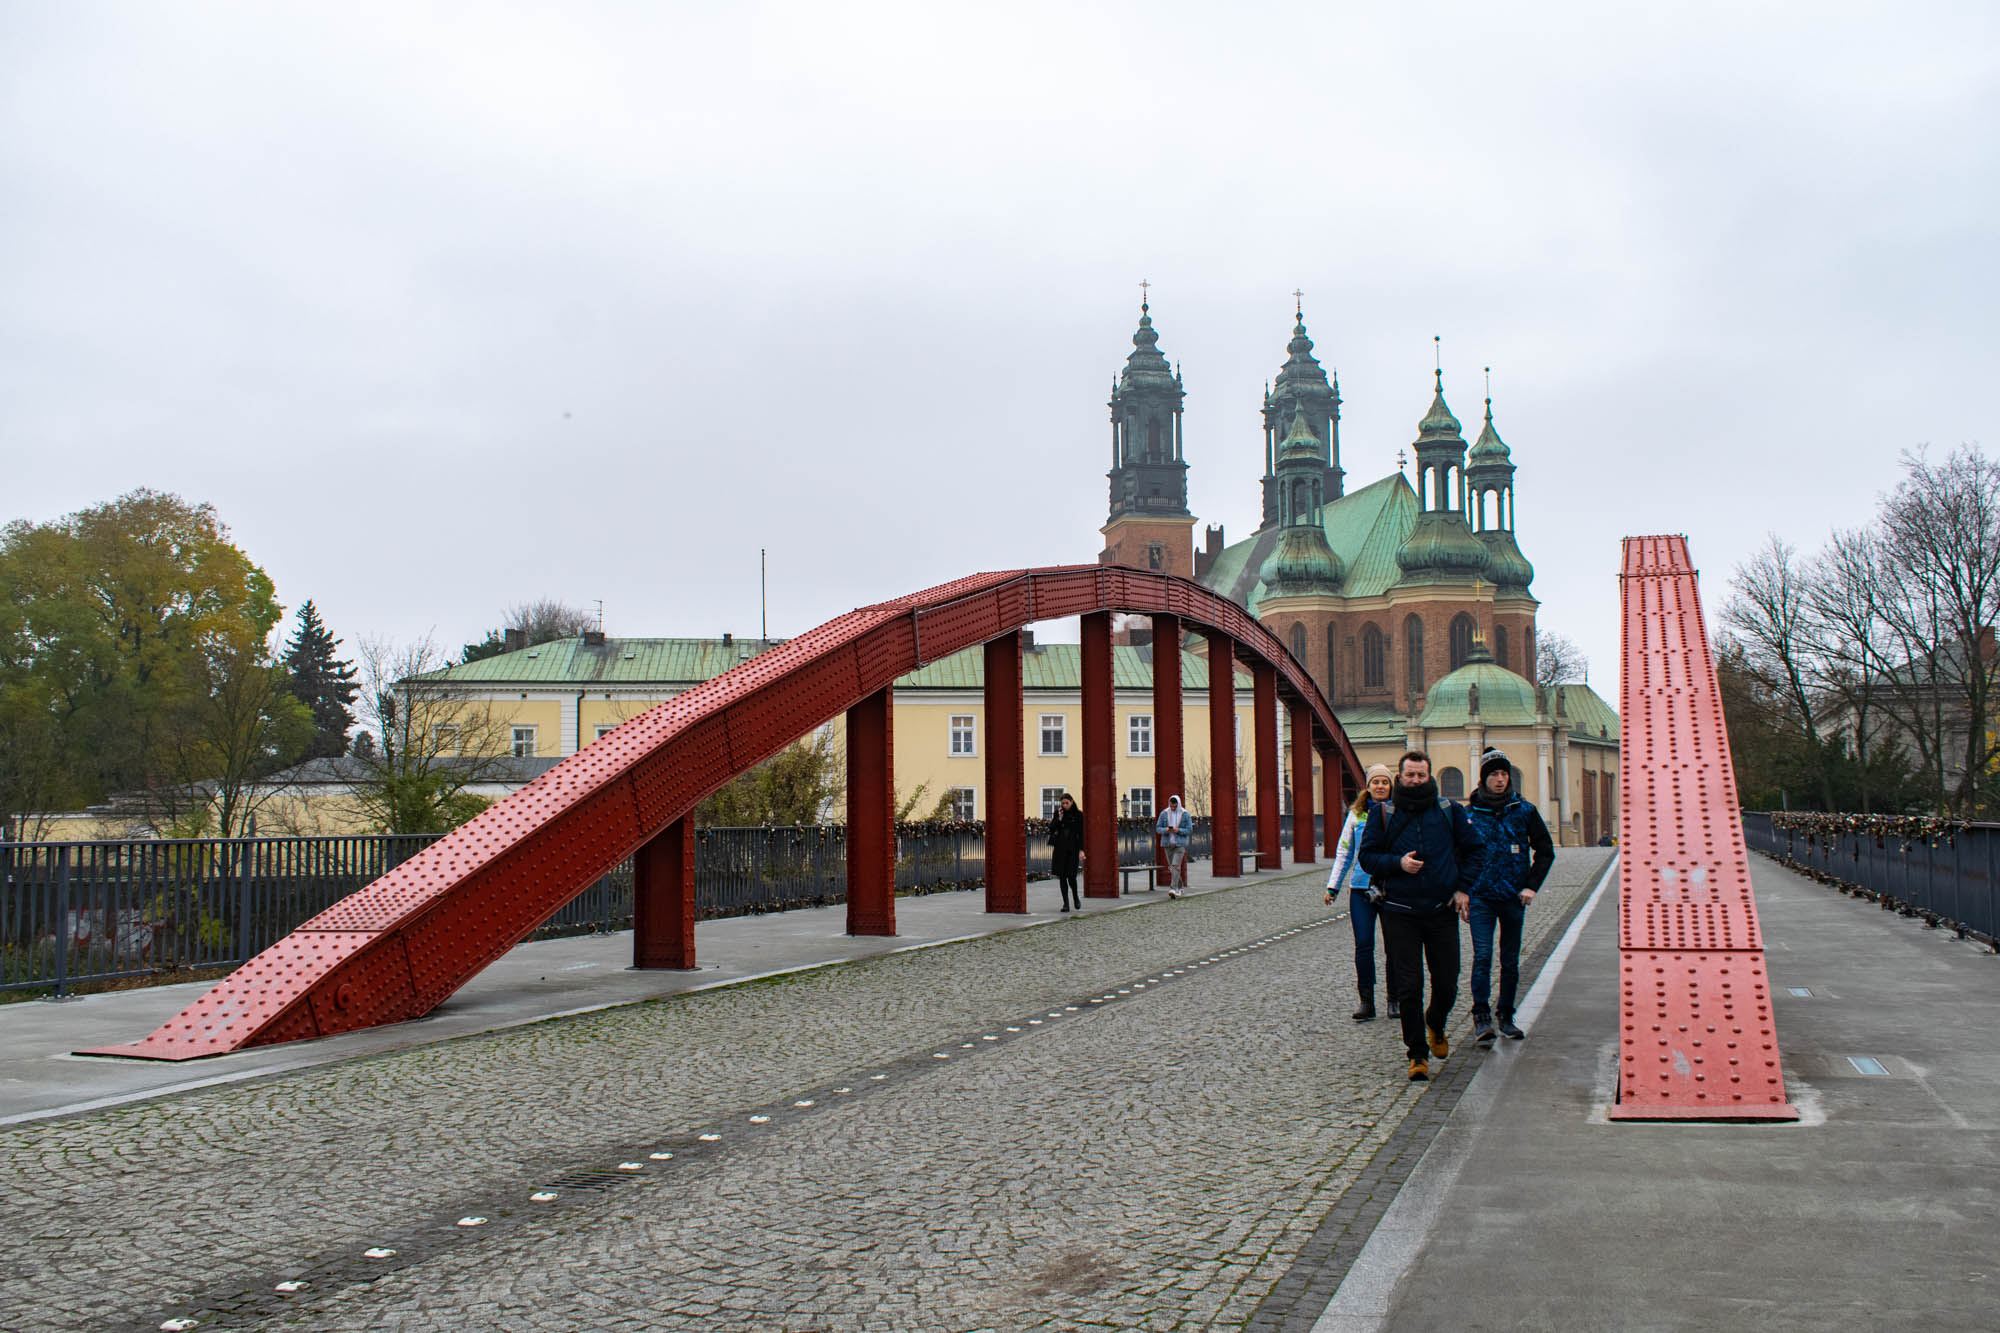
[(1382, 770), (1492, 759)]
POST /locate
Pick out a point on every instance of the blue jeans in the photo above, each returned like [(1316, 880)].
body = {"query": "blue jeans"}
[(1509, 913), (1363, 914)]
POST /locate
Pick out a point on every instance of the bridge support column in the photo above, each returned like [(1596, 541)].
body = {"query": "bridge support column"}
[(1302, 786), (871, 816), (1100, 776), (1222, 754), (1270, 804), (663, 899), (1169, 746), (1336, 796), (1006, 825)]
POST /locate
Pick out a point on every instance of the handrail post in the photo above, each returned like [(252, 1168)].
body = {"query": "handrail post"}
[(62, 921)]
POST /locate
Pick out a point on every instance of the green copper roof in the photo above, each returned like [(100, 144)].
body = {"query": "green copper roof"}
[(613, 662), (1590, 717), (1505, 564), (1438, 425), (1489, 450), (1058, 666), (1441, 546), (1373, 726), (1300, 443), (1363, 528), (681, 663), (1302, 565)]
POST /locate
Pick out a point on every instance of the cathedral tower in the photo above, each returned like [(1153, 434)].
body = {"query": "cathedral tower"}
[(1441, 547), (1150, 526), (1302, 387)]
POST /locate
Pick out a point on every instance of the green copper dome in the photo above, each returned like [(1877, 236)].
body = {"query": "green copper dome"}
[(1438, 423), (1302, 564), (1505, 699), (1442, 546), (1489, 450), (1300, 444), (1505, 564)]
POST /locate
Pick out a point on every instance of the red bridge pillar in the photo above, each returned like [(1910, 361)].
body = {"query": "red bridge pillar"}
[(1334, 791), (1302, 786), (1169, 749), (663, 898), (1264, 720), (1222, 753), (1006, 826), (871, 816), (1100, 777)]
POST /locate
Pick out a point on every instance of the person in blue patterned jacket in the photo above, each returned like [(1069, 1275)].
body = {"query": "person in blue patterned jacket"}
[(1518, 855)]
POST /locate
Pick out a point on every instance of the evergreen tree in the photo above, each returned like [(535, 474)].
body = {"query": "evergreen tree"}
[(322, 683)]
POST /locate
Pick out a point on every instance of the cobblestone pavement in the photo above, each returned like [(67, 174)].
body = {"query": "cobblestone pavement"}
[(1138, 1120)]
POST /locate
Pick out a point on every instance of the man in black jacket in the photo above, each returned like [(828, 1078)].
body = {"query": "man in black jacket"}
[(1422, 854)]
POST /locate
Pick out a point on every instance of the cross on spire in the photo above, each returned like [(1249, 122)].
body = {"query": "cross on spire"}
[(1145, 294), (1298, 302)]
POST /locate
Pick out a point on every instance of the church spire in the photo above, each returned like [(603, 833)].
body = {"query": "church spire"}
[(1301, 385), (1149, 523)]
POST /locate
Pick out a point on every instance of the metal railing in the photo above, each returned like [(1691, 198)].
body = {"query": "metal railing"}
[(1951, 880), (72, 912)]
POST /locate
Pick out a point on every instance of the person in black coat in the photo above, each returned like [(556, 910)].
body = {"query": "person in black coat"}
[(1421, 851), (1066, 841)]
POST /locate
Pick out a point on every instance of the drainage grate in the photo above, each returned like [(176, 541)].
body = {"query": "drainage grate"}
[(1867, 1064), (588, 1180)]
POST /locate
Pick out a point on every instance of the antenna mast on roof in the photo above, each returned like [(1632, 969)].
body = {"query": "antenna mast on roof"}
[(763, 598), (600, 615)]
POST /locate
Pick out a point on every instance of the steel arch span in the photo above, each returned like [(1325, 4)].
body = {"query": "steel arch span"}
[(398, 948)]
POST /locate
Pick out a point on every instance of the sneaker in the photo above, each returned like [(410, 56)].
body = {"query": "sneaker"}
[(1173, 893), (1482, 1029), (1508, 1030), (1419, 1070), (1439, 1046)]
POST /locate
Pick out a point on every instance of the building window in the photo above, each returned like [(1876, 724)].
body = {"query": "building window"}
[(1156, 556), (1451, 784), (1152, 441), (1332, 636), (1462, 630), (1413, 656), (1139, 803), (961, 734), (1236, 721), (1139, 733), (1372, 653), (1051, 798), (1500, 644), (605, 729), (1052, 734), (524, 742), (1299, 642), (446, 737), (963, 804)]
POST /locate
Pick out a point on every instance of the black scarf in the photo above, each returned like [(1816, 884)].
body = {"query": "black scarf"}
[(1415, 800), (1486, 800)]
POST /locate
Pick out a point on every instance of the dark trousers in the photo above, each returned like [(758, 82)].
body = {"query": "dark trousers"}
[(1363, 914), (1508, 915), (1415, 940), (1066, 864)]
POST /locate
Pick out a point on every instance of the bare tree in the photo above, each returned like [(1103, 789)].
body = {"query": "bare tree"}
[(430, 743), (1939, 568), (238, 724), (549, 618), (1845, 637), (1767, 614), (1558, 661)]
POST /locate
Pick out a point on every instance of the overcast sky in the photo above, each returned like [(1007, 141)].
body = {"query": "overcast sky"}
[(449, 306)]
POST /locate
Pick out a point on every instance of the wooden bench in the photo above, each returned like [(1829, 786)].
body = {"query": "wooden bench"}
[(1125, 874)]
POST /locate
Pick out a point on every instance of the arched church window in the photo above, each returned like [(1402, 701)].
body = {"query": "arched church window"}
[(1332, 637), (1152, 441), (1372, 654), (1451, 784), (1461, 639), (1413, 655), (1299, 642), (1500, 644)]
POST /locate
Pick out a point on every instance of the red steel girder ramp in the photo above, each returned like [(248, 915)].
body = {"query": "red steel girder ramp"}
[(1696, 1038), (399, 947)]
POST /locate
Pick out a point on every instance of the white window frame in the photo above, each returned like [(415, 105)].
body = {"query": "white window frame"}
[(964, 732), (1132, 801), (1237, 719), (517, 733), (964, 804), (1061, 730), (1051, 799), (604, 729), (1139, 735)]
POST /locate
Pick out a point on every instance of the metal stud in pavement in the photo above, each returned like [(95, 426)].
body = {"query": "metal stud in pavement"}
[(473, 1221), (631, 1166), (661, 1156), (294, 1285), (175, 1325), (379, 1252), (710, 1138), (543, 1196)]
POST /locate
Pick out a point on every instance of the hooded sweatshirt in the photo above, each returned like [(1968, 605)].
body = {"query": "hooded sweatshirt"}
[(1174, 824)]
